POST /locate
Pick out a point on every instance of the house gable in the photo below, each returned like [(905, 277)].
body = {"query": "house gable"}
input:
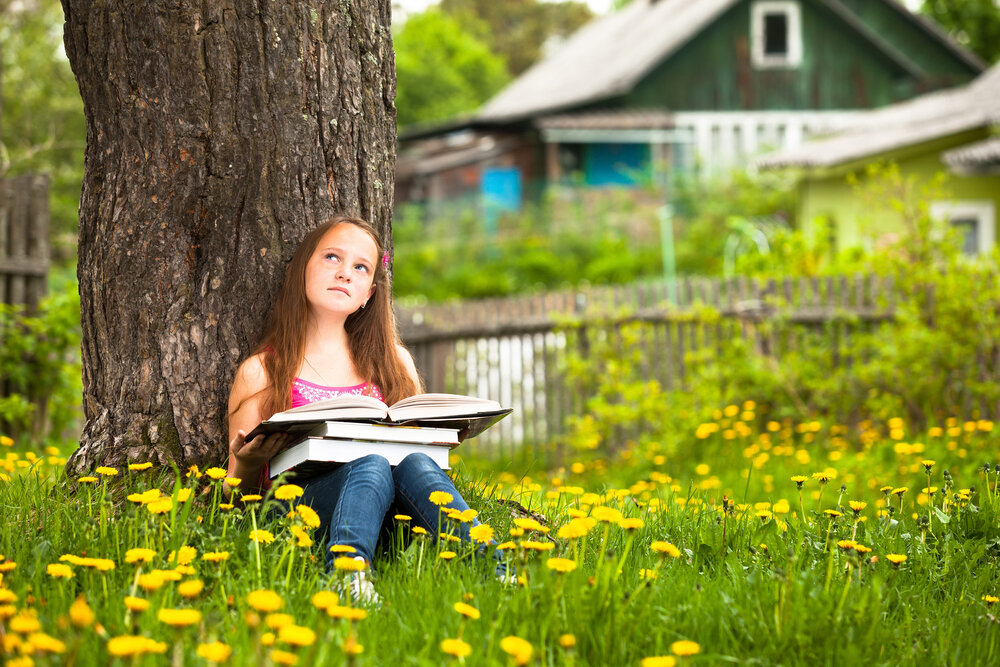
[(844, 65)]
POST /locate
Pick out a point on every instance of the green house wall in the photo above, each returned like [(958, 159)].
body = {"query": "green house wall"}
[(840, 68), (829, 196)]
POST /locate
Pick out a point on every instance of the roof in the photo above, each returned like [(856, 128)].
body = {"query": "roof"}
[(973, 158), (922, 119), (616, 119), (612, 53)]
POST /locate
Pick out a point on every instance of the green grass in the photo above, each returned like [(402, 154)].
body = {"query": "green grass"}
[(754, 585)]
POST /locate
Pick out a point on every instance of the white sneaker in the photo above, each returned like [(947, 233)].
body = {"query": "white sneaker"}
[(361, 590)]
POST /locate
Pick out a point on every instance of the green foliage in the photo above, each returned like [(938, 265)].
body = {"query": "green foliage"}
[(975, 24), (40, 362), (518, 30), (441, 69), (43, 128)]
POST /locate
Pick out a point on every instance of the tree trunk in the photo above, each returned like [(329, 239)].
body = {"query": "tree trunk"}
[(218, 134)]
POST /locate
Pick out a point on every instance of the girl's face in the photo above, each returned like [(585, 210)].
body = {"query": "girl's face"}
[(341, 271)]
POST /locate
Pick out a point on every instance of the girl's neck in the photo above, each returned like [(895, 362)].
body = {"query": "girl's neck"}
[(326, 337)]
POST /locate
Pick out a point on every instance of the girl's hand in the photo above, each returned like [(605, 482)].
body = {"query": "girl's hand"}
[(258, 451)]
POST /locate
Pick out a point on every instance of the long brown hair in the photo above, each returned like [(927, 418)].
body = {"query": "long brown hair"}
[(372, 336)]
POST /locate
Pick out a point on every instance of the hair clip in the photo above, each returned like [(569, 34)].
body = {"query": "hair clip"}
[(385, 260)]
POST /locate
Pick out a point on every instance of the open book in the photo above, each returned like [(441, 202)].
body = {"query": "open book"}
[(470, 416)]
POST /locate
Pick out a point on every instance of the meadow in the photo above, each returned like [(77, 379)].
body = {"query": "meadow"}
[(763, 542)]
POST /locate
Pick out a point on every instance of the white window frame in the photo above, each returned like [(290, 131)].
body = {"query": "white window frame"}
[(793, 14), (982, 210)]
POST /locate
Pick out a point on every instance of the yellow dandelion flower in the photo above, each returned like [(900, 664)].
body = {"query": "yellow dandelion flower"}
[(659, 661), (567, 640), (528, 524), (7, 596), (136, 467), (191, 588), (606, 514), (799, 480), (990, 599), (179, 618), (268, 639), (466, 610), (685, 647), (832, 513), (215, 556), (151, 581), (265, 600), (226, 506), (6, 441), (216, 651), (233, 482), (440, 497), (193, 471), (417, 530), (106, 471), (302, 538), (87, 479), (261, 536), (506, 545), (57, 570), (665, 548), (136, 604), (631, 523), (352, 647), (24, 623), (296, 635), (251, 497), (284, 657), (481, 533), (574, 529), (323, 599), (896, 559), (160, 506), (402, 517), (183, 495), (308, 516), (346, 613), (456, 647), (343, 549), (561, 564), (447, 555), (846, 544), (349, 564), (183, 556), (928, 464), (46, 644), (519, 649), (537, 546), (216, 473), (127, 646), (81, 614), (288, 492), (857, 505), (277, 620)]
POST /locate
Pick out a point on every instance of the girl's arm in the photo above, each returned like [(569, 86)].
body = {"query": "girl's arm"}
[(247, 459)]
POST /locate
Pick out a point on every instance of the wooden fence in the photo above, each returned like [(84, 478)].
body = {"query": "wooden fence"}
[(515, 349), (24, 239)]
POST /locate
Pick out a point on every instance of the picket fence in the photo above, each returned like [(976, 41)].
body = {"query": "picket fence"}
[(515, 349), (24, 234)]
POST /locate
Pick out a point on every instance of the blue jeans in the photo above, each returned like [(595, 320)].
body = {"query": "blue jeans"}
[(353, 500)]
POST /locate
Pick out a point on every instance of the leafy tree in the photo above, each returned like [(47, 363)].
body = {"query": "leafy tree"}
[(975, 24), (518, 30), (441, 69), (43, 123)]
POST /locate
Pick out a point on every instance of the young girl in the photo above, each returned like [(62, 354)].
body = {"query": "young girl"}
[(332, 332)]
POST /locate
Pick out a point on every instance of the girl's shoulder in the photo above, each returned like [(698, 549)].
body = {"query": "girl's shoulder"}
[(251, 376)]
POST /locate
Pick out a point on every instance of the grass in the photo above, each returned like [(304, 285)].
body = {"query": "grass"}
[(723, 556)]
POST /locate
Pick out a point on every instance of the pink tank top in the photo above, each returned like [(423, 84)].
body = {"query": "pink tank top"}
[(305, 392)]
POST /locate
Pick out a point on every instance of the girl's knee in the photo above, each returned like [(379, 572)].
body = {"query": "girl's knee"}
[(374, 468)]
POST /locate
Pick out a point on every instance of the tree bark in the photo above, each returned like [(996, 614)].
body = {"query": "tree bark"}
[(218, 134)]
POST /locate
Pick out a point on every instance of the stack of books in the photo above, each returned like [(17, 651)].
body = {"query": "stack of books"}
[(349, 427)]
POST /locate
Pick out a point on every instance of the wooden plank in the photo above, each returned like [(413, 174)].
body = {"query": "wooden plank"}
[(4, 233)]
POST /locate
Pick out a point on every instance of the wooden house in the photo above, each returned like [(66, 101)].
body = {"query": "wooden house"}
[(680, 85), (954, 132)]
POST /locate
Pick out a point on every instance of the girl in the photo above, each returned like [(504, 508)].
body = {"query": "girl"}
[(332, 332)]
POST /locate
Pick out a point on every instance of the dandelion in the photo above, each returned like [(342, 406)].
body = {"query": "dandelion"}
[(179, 618), (216, 651), (302, 537), (799, 480), (346, 613), (160, 506), (57, 570), (417, 530), (233, 482), (277, 621), (481, 533), (215, 556), (575, 529), (264, 600), (130, 645), (402, 517), (308, 516), (106, 471), (46, 644), (261, 536), (447, 555), (606, 514), (87, 479), (7, 596), (896, 559), (137, 467), (349, 564), (6, 441), (631, 523), (343, 549), (226, 506), (284, 657), (685, 647), (183, 495), (352, 647), (562, 565), (517, 648), (466, 610), (250, 497), (526, 523), (659, 661), (81, 614), (191, 589), (857, 506), (928, 464), (151, 582), (537, 546), (456, 647), (136, 604), (216, 473), (990, 599), (288, 492), (296, 635), (665, 549), (323, 599), (567, 640), (440, 498), (825, 476), (25, 623), (833, 514)]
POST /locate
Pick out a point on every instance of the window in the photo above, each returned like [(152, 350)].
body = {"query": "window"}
[(975, 221), (776, 34)]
